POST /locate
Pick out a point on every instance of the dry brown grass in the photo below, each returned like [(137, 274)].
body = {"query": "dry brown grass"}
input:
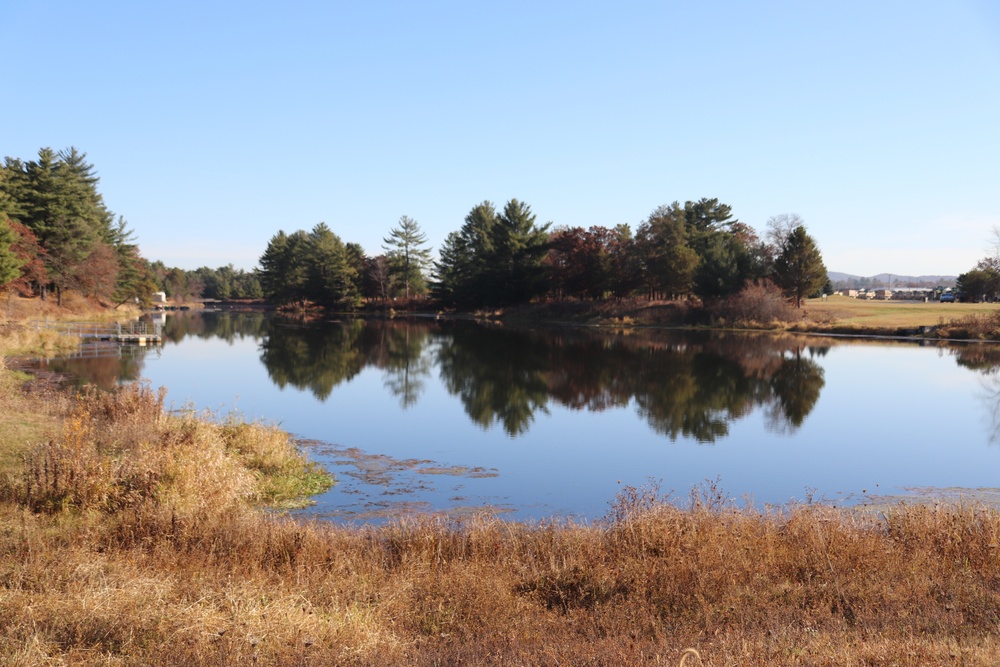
[(974, 326), (810, 586)]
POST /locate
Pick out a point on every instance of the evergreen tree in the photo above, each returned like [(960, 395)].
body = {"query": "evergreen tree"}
[(357, 263), (10, 263), (331, 277), (452, 272), (494, 259), (462, 270), (518, 249), (724, 267), (668, 259), (134, 282), (799, 268), (725, 262), (705, 217), (273, 266), (981, 283), (407, 258), (58, 200)]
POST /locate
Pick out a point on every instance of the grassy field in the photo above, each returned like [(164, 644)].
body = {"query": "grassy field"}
[(132, 537), (890, 315)]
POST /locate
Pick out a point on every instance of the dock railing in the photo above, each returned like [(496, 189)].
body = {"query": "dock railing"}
[(123, 332)]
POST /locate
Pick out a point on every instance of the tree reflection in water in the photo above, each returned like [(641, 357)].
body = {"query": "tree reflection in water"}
[(312, 356), (683, 384), (499, 376), (103, 365), (985, 358)]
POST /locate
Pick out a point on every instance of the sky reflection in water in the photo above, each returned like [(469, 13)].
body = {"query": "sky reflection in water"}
[(427, 415)]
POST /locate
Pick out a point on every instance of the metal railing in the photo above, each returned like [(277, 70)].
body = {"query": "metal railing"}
[(108, 330)]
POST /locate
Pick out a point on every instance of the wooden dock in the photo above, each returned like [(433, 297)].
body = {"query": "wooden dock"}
[(132, 333)]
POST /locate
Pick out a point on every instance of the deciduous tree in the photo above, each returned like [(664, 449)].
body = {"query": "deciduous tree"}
[(32, 257), (580, 262)]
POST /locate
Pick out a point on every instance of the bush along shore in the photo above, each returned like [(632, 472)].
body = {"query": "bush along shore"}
[(130, 536)]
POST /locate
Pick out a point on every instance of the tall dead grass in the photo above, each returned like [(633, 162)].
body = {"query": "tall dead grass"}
[(977, 326)]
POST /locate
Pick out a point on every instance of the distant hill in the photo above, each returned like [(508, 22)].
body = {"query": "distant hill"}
[(889, 279)]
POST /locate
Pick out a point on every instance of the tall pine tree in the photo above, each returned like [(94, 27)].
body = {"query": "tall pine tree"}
[(408, 259)]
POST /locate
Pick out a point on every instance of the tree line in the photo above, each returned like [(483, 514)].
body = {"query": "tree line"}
[(56, 233), (505, 257), (319, 267), (223, 283)]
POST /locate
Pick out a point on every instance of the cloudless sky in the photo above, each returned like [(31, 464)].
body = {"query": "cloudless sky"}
[(212, 125)]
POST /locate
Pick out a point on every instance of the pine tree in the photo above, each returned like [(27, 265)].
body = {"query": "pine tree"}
[(669, 260), (10, 263), (407, 258), (58, 200), (463, 271), (273, 267), (519, 246), (494, 259), (285, 268), (331, 277), (799, 268)]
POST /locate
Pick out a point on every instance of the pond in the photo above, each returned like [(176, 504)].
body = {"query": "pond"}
[(415, 415)]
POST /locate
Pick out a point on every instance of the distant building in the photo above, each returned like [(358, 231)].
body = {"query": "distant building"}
[(159, 297)]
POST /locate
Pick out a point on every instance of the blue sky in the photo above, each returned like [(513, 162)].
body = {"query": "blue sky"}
[(212, 125)]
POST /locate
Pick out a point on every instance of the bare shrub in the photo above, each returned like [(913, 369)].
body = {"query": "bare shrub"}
[(975, 326), (757, 304)]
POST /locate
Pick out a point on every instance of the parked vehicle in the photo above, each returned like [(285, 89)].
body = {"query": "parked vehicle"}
[(947, 297)]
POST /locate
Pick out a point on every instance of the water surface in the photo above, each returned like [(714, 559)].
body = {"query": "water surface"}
[(427, 415)]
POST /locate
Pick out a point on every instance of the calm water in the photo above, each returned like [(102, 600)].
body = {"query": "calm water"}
[(421, 415)]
